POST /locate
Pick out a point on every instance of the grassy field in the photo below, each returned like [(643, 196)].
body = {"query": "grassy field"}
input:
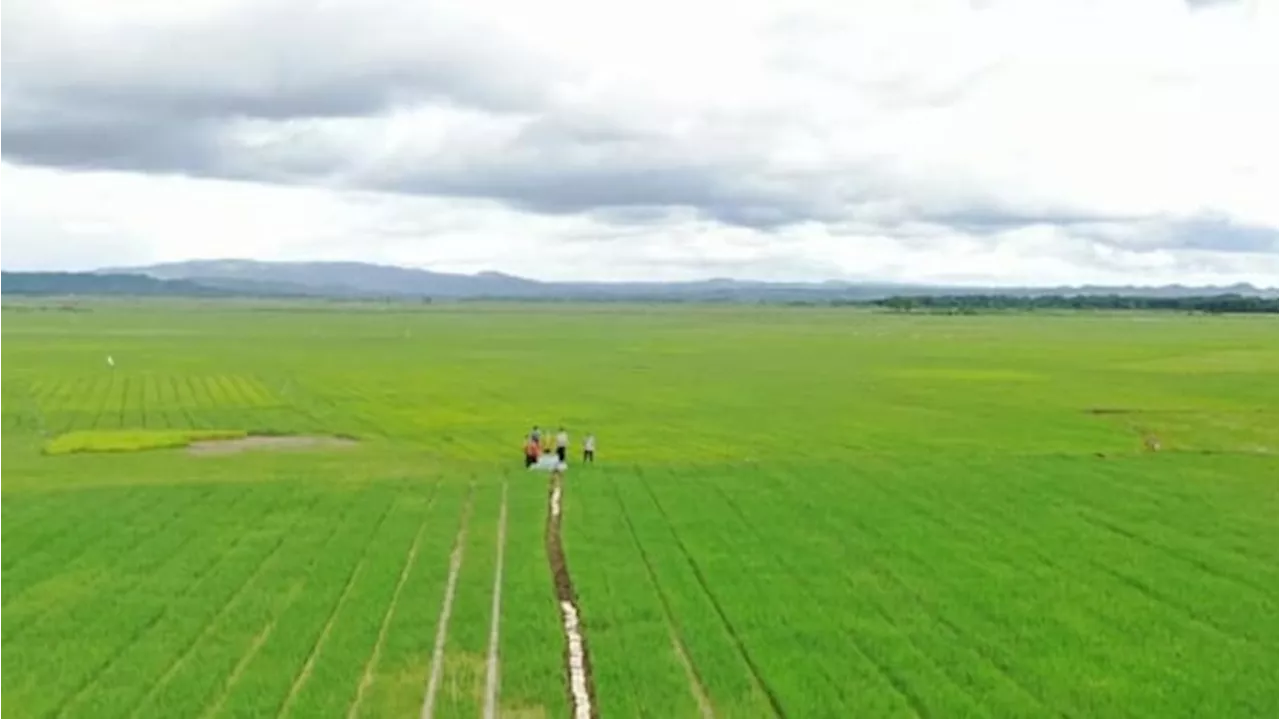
[(799, 512)]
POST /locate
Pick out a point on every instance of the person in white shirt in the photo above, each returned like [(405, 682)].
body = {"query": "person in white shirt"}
[(562, 444), (589, 448)]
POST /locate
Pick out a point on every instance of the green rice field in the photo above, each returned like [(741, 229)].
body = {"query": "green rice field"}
[(321, 510)]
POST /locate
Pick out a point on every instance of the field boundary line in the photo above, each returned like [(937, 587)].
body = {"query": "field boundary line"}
[(37, 412), (254, 647), (222, 611), (151, 623), (705, 707), (105, 400), (1137, 584), (200, 407), (99, 572), (491, 677), (883, 575), (446, 609), (1157, 597), (292, 596), (896, 683), (975, 642), (124, 401), (1114, 526), (738, 644), (309, 664), (67, 390), (1090, 515), (366, 678), (42, 541), (35, 514), (175, 388), (90, 543)]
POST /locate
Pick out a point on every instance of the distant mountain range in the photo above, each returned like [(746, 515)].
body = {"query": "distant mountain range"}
[(358, 279), (89, 283), (363, 280)]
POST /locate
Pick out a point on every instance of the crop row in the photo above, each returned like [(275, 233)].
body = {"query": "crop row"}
[(274, 599), (150, 401), (887, 590), (1010, 586)]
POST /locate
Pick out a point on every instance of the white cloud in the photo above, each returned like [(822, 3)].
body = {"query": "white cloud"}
[(1012, 142)]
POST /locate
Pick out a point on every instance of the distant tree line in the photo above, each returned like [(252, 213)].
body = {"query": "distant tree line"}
[(69, 284), (86, 283), (971, 304)]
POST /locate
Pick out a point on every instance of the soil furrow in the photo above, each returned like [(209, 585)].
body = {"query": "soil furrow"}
[(577, 658)]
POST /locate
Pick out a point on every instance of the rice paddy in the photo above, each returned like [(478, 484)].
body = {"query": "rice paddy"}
[(794, 512)]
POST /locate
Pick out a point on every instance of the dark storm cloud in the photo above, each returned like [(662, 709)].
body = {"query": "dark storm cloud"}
[(152, 99), (275, 59), (255, 94), (619, 193), (176, 100), (563, 165), (85, 136)]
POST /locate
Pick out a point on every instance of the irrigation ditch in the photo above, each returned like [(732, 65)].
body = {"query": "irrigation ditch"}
[(577, 658)]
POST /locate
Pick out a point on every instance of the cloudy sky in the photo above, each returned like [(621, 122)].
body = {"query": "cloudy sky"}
[(977, 141)]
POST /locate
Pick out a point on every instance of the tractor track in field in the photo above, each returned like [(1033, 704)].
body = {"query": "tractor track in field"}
[(893, 679), (577, 657), (322, 639), (696, 687), (42, 543), (446, 610), (754, 669), (492, 664), (159, 615), (148, 535), (367, 676), (976, 642), (265, 633)]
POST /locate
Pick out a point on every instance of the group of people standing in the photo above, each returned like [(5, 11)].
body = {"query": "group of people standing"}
[(537, 445)]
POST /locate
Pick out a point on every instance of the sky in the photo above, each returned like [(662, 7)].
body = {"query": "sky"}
[(979, 142)]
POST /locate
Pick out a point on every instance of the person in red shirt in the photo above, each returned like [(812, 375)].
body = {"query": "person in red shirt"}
[(531, 452)]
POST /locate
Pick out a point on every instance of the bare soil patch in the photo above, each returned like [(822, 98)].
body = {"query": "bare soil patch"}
[(268, 443)]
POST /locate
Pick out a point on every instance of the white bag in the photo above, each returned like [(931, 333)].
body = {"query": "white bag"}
[(549, 462)]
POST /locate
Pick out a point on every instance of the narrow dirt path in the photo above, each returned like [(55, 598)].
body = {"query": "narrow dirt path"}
[(446, 610), (582, 691)]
